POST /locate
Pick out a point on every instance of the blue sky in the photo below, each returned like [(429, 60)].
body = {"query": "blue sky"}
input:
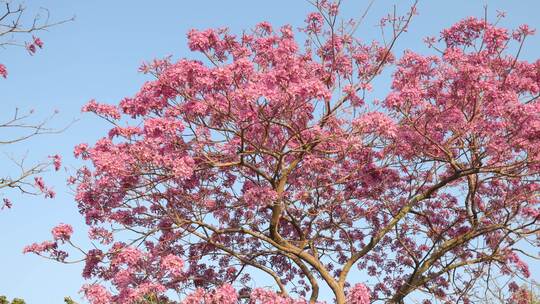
[(97, 56)]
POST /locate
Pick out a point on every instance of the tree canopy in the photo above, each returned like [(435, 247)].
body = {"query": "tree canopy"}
[(269, 157)]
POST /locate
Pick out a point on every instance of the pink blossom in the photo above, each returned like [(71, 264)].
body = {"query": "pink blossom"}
[(7, 203), (128, 255), (376, 122), (104, 110), (62, 232), (265, 27), (40, 247), (526, 30), (3, 71), (37, 41), (40, 184), (359, 294), (57, 161), (264, 296), (97, 294), (80, 149), (93, 258), (225, 294), (173, 264), (430, 41), (202, 40), (100, 234), (31, 48), (50, 193), (353, 97), (521, 295)]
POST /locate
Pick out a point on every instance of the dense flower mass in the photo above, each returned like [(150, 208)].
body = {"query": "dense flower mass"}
[(226, 294), (97, 294), (273, 157), (359, 294)]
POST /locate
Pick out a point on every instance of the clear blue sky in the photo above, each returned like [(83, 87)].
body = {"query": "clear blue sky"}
[(97, 56)]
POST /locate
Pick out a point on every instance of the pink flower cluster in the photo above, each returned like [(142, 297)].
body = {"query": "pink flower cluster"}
[(3, 71), (6, 203), (41, 247), (62, 232), (100, 234), (264, 296), (97, 294), (40, 184), (57, 161), (34, 45), (359, 294), (173, 264), (225, 294), (104, 110), (80, 150)]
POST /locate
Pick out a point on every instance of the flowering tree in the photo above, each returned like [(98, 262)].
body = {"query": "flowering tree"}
[(20, 126), (269, 159)]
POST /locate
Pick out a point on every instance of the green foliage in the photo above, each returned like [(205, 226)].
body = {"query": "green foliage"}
[(534, 292), (4, 300), (69, 300), (153, 299)]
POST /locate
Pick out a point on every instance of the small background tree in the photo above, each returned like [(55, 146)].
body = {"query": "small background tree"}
[(17, 29)]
